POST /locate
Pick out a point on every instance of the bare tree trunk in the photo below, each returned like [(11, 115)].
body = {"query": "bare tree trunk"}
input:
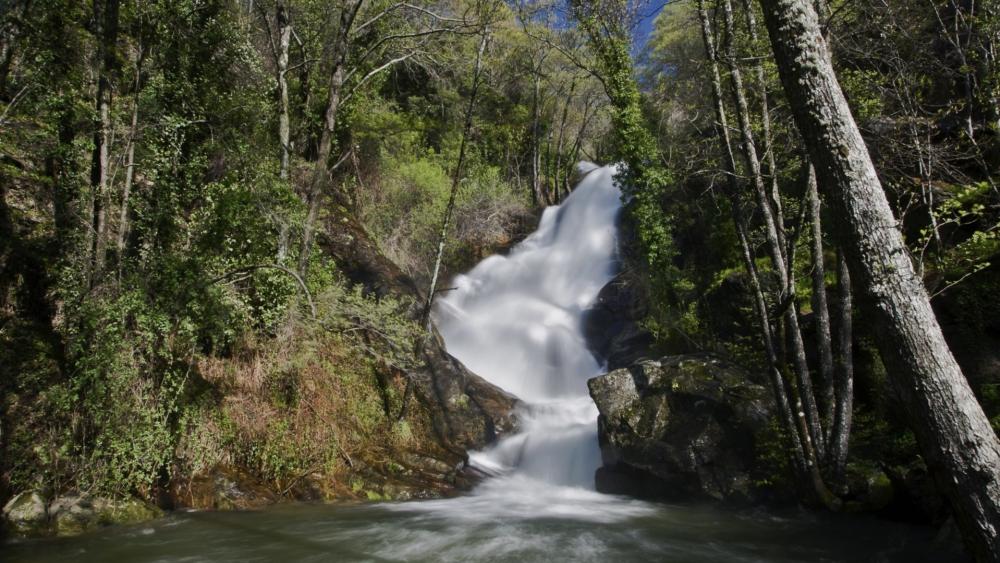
[(821, 312), (547, 170), (106, 13), (284, 42), (775, 240), (954, 435), (844, 391), (456, 178), (765, 117), (798, 443), (578, 143), (536, 153), (321, 172), (559, 142), (133, 135)]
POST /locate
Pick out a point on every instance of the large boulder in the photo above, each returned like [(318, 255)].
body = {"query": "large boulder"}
[(75, 514), (25, 515), (29, 514), (680, 427), (469, 413), (612, 324)]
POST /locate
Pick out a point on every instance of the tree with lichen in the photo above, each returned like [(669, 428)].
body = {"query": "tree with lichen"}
[(955, 436)]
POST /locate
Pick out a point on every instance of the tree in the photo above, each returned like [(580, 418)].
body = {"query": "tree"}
[(955, 436)]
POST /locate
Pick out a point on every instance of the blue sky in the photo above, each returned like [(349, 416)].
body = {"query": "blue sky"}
[(645, 26)]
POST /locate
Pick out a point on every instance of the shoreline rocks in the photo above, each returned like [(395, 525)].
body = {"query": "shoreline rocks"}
[(29, 514)]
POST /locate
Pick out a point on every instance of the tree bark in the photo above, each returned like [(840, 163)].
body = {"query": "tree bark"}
[(11, 27), (284, 127), (559, 142), (106, 13), (536, 153), (821, 312), (844, 390), (760, 305), (775, 240), (456, 179), (321, 172), (765, 119), (133, 134), (954, 435)]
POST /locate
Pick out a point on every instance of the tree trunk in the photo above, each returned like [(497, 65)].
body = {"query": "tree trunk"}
[(765, 118), (456, 178), (821, 312), (775, 242), (954, 435), (578, 143), (10, 31), (321, 172), (536, 153), (844, 391), (760, 305), (106, 13), (133, 134), (284, 128), (559, 142)]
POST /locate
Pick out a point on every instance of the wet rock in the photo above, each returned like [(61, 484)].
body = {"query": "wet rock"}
[(684, 426), (469, 413), (612, 324), (222, 488), (75, 514), (25, 514)]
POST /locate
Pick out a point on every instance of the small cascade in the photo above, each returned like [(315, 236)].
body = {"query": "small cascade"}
[(516, 321)]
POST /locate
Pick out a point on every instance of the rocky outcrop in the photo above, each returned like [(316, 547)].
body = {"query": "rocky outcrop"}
[(25, 514), (470, 412), (683, 426), (611, 326), (29, 514)]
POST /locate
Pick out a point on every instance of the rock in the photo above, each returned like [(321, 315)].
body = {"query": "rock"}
[(125, 511), (72, 515), (684, 426), (869, 490), (222, 488), (917, 499), (25, 514), (75, 514), (611, 326), (469, 413)]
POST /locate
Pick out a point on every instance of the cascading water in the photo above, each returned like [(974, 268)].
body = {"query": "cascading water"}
[(517, 322)]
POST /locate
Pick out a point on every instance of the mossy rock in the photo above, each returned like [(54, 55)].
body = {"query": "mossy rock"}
[(73, 514), (25, 515), (683, 426)]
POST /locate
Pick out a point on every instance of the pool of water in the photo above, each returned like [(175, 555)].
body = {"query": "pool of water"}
[(539, 523)]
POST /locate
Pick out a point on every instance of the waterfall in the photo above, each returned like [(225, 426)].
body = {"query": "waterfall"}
[(516, 321)]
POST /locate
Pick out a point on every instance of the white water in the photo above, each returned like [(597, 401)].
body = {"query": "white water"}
[(516, 321)]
